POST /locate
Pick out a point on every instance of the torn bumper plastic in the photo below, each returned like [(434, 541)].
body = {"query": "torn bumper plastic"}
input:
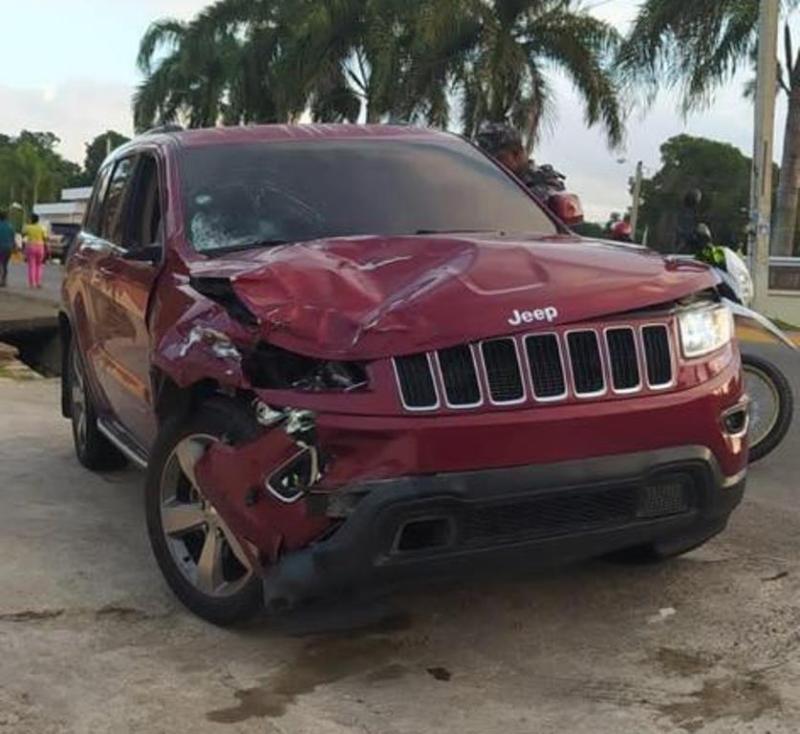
[(421, 528), (391, 491)]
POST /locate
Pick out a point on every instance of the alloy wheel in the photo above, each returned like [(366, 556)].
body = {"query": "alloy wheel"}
[(202, 546), (78, 399), (764, 404)]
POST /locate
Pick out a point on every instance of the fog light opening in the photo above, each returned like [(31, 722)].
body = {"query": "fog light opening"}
[(292, 480), (736, 421), (424, 534)]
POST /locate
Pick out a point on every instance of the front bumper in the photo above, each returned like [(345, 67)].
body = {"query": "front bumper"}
[(449, 524)]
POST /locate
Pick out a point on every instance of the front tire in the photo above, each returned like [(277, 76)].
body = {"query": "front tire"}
[(201, 560), (772, 405)]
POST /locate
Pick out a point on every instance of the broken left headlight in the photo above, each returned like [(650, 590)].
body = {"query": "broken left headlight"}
[(274, 368)]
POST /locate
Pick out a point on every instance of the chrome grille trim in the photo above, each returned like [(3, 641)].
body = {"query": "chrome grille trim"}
[(417, 408), (641, 365), (478, 378), (571, 362), (550, 398), (506, 362), (516, 401), (672, 364)]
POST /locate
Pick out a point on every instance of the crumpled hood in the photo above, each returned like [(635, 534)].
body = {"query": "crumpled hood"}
[(370, 297)]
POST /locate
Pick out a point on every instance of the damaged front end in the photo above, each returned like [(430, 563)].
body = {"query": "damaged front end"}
[(260, 487), (382, 429)]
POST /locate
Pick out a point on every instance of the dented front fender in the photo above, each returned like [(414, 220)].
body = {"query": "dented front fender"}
[(236, 480)]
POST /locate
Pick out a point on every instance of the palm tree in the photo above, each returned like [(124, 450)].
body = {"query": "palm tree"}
[(343, 60), (497, 55), (215, 68), (697, 45)]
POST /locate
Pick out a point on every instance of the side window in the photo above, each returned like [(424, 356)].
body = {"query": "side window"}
[(91, 223), (146, 205), (113, 219)]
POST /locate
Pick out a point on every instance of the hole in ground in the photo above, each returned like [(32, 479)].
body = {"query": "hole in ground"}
[(40, 349)]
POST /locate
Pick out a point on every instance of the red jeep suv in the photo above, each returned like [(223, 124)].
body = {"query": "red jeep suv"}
[(351, 356)]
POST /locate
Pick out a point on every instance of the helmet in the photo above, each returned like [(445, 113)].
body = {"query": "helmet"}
[(693, 198), (496, 136)]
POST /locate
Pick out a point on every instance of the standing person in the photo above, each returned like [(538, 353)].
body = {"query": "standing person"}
[(504, 144), (35, 250), (688, 219), (7, 242)]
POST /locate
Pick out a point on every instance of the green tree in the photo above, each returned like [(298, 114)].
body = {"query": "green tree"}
[(219, 67), (719, 170), (349, 58), (497, 55), (96, 152), (697, 45), (31, 171), (270, 60)]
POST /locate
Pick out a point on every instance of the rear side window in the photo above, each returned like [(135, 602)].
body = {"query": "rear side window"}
[(95, 209), (145, 205), (113, 219)]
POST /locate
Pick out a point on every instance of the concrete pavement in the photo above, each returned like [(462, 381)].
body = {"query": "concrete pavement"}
[(92, 641), (24, 309), (51, 282)]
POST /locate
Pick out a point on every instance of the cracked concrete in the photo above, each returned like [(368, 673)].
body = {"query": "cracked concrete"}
[(92, 641)]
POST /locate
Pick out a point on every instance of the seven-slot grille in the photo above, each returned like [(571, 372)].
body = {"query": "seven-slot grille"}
[(580, 363)]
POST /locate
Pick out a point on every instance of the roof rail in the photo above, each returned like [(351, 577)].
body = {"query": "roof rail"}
[(170, 127)]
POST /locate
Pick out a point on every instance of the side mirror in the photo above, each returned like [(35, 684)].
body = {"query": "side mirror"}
[(567, 207), (147, 254)]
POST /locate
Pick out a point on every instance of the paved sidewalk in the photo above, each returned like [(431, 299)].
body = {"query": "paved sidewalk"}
[(51, 283), (26, 309)]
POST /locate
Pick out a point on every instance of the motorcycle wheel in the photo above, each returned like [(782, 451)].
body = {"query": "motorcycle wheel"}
[(771, 406)]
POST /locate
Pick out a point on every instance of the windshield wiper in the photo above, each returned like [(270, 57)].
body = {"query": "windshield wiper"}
[(245, 246), (460, 231)]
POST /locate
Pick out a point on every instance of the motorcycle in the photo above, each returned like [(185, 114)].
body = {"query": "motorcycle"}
[(771, 397)]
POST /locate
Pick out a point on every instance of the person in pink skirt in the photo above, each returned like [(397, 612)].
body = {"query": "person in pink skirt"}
[(35, 238)]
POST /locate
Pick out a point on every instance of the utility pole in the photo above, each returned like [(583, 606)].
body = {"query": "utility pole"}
[(761, 183), (637, 197)]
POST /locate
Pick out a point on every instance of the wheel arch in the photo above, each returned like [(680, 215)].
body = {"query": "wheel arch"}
[(171, 400), (65, 339)]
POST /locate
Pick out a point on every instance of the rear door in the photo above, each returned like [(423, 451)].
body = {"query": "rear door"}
[(125, 275), (80, 280)]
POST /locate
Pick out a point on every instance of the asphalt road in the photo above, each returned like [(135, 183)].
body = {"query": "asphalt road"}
[(92, 641)]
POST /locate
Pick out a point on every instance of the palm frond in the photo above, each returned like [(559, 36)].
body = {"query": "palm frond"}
[(167, 32)]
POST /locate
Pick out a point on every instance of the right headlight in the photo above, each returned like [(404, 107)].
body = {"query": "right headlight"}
[(704, 330)]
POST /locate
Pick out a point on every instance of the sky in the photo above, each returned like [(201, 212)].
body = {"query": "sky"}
[(79, 78)]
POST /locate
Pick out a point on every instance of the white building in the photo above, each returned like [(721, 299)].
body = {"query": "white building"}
[(68, 211)]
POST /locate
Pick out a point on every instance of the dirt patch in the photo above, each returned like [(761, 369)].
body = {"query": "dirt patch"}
[(31, 615), (128, 614), (319, 663), (684, 662), (745, 698), (392, 672), (439, 673)]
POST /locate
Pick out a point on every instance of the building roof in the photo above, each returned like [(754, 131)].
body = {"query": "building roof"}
[(60, 208), (83, 193)]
